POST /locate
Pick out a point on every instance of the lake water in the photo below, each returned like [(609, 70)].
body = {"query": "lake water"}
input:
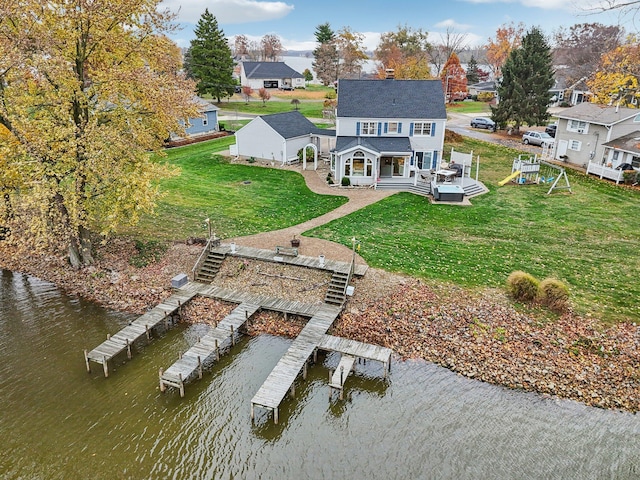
[(59, 422)]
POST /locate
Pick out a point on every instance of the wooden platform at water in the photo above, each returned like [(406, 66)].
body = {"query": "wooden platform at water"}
[(141, 327), (282, 377), (206, 348), (299, 260)]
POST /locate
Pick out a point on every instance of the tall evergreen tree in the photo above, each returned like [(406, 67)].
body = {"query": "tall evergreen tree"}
[(326, 57), (472, 71), (527, 76), (211, 63)]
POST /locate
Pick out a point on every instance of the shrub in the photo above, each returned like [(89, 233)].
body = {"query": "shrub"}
[(309, 154), (554, 294), (345, 181), (148, 252), (486, 96), (522, 286), (330, 95)]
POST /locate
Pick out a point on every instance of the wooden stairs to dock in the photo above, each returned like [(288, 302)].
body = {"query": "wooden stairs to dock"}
[(337, 289), (210, 267)]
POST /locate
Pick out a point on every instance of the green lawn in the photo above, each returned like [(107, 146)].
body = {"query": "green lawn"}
[(239, 199), (469, 107), (309, 108), (589, 239)]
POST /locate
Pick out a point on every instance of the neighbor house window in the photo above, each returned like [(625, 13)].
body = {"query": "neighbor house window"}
[(358, 165), (392, 127), (575, 145), (422, 128), (205, 121), (577, 126), (635, 161), (368, 128)]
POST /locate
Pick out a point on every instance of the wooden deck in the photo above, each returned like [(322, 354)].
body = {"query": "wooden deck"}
[(140, 327), (206, 349), (282, 377), (300, 260)]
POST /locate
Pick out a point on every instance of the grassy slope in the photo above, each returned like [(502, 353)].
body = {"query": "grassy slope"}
[(209, 187), (585, 239)]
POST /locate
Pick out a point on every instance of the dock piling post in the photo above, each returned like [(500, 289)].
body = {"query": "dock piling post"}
[(275, 415), (199, 368), (146, 328), (341, 382), (128, 349), (86, 361), (105, 367), (162, 387), (252, 414), (304, 371), (217, 350), (181, 386), (233, 341)]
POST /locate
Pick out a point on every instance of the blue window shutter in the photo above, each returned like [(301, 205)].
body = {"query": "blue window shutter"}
[(399, 127), (433, 129), (386, 127), (411, 129), (412, 162), (357, 129), (379, 128), (434, 164)]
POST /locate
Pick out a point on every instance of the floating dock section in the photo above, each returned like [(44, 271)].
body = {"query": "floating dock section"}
[(206, 349), (141, 327)]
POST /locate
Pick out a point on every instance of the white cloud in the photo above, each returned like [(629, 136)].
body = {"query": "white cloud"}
[(228, 11), (452, 24)]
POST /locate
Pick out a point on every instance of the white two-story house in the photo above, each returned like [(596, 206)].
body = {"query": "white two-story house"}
[(388, 130)]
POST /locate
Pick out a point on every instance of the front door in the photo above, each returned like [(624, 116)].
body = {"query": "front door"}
[(386, 167), (398, 166)]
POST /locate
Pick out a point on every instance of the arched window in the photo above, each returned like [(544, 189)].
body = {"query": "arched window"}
[(358, 165)]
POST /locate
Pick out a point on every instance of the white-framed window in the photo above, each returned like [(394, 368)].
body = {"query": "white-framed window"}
[(577, 126), (575, 145), (368, 128), (205, 121), (392, 127), (358, 165), (422, 128), (635, 161)]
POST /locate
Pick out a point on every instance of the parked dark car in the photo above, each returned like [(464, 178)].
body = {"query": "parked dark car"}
[(551, 129), (625, 166), (482, 122)]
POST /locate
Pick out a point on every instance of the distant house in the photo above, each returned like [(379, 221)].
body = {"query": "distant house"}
[(482, 87), (259, 75), (205, 124), (565, 93), (279, 137), (597, 137), (388, 130)]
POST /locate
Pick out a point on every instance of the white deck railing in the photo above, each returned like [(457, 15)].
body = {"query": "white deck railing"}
[(605, 172)]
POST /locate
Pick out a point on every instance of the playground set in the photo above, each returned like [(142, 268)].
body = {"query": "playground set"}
[(529, 170)]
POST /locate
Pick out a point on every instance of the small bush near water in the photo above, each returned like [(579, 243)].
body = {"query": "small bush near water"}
[(522, 286), (554, 294)]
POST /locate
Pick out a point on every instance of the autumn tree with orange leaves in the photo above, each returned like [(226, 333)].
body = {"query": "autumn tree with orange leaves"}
[(454, 79), (508, 38), (89, 92), (618, 78)]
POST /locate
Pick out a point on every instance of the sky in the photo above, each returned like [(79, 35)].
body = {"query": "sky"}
[(295, 22)]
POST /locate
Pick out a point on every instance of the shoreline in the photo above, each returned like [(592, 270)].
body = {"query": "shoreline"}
[(475, 333)]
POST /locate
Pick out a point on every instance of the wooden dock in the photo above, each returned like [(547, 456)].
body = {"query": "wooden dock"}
[(282, 377), (299, 260), (140, 327), (350, 350), (206, 349)]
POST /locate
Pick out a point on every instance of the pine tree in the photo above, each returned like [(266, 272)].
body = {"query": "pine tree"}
[(472, 71), (211, 63), (527, 76), (326, 57)]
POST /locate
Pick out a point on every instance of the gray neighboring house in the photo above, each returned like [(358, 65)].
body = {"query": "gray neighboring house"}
[(586, 133), (388, 130), (259, 75), (564, 93), (278, 137)]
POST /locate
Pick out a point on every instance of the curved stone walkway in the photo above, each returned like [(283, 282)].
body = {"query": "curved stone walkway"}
[(315, 179)]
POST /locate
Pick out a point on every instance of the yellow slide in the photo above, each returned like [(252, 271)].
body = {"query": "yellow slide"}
[(509, 178)]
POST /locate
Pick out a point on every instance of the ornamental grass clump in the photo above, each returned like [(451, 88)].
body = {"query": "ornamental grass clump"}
[(522, 286), (554, 294)]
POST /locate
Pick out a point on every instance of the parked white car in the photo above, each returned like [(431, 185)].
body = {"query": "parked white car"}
[(537, 138)]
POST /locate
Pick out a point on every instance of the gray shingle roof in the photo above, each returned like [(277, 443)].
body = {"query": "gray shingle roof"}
[(377, 144), (627, 143), (597, 114), (293, 124), (269, 70), (391, 99)]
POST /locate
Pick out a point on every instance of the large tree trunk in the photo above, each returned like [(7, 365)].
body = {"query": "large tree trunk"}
[(80, 249)]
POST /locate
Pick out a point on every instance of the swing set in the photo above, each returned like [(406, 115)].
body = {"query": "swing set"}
[(529, 170)]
